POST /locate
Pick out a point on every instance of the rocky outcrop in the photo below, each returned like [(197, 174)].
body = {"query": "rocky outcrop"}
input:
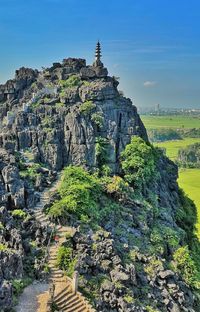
[(66, 134), (21, 240), (122, 284)]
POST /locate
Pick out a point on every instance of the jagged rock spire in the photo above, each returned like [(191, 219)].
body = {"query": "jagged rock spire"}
[(97, 62)]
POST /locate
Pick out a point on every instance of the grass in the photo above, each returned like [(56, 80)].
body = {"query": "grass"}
[(189, 181), (175, 122), (172, 147)]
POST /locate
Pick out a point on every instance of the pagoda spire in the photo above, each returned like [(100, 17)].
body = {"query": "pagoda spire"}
[(97, 62)]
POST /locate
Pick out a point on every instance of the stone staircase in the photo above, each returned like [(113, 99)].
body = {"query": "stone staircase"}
[(64, 297)]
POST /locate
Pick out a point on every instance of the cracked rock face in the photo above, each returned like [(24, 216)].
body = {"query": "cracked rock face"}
[(68, 136)]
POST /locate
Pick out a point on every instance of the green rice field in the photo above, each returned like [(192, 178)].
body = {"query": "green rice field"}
[(175, 122), (172, 147), (189, 181)]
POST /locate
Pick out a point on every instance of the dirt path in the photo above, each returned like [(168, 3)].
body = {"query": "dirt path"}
[(29, 301)]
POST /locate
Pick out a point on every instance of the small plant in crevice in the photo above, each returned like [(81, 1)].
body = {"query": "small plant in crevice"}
[(101, 152), (98, 119), (72, 81), (87, 107)]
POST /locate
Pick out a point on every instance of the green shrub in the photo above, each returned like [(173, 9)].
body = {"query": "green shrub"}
[(83, 196), (161, 236), (35, 105), (153, 267), (72, 81), (150, 309), (46, 268), (79, 193), (186, 215), (138, 162), (64, 257), (101, 152), (3, 247), (87, 107), (117, 186), (20, 284), (184, 264), (129, 299), (47, 122), (30, 172), (59, 105), (98, 119), (18, 213), (65, 260)]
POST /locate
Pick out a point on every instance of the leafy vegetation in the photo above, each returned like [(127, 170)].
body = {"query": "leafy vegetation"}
[(153, 267), (185, 266), (87, 107), (101, 152), (72, 81), (163, 238), (20, 284), (65, 260), (98, 119), (129, 299), (18, 213), (138, 162), (117, 186), (150, 309), (79, 193), (47, 122), (3, 247), (59, 105), (31, 172), (83, 195)]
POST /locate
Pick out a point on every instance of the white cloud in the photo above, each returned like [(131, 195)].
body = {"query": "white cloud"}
[(150, 83)]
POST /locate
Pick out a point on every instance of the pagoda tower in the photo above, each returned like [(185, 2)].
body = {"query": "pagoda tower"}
[(97, 62)]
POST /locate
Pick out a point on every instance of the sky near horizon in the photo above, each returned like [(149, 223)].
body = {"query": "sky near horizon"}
[(153, 45)]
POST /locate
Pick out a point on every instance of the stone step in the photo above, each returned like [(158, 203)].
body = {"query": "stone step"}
[(68, 299), (82, 309), (53, 255), (56, 275), (41, 215), (73, 307), (63, 293), (53, 262), (43, 218), (56, 270)]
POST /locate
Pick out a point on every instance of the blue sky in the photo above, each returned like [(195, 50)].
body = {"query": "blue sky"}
[(153, 45)]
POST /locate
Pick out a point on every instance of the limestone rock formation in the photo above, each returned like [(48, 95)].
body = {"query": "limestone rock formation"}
[(53, 124), (68, 114)]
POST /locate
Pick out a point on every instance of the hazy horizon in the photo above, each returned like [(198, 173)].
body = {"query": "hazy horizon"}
[(152, 46)]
